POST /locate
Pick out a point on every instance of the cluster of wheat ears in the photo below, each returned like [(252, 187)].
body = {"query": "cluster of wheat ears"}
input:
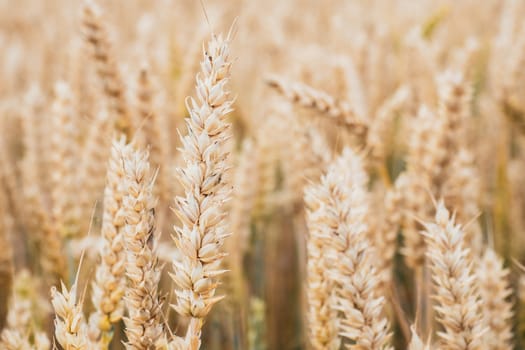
[(322, 175)]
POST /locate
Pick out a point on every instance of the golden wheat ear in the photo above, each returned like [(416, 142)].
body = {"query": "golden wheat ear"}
[(456, 287), (341, 273), (204, 178), (144, 327)]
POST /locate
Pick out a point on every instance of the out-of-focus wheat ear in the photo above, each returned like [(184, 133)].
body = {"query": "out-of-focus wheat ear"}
[(455, 286), (144, 324), (13, 340), (81, 81), (510, 72), (345, 204), (241, 213), (189, 67), (308, 97), (382, 125), (353, 84), (63, 163), (455, 95), (462, 192), (92, 168), (386, 238), (109, 284), (464, 57), (244, 196), (426, 153), (95, 34), (268, 154), (154, 132), (38, 218), (23, 316), (70, 325), (8, 177), (200, 236), (495, 305), (416, 343), (308, 155)]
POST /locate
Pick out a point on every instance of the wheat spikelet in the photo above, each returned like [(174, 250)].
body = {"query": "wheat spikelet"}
[(70, 326), (95, 33), (110, 284), (308, 97), (143, 324), (496, 308), (62, 163), (456, 291), (203, 230), (416, 343)]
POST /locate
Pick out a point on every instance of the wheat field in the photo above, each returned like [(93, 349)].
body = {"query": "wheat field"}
[(262, 174)]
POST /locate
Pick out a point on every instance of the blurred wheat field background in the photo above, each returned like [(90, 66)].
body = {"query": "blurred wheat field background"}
[(245, 174)]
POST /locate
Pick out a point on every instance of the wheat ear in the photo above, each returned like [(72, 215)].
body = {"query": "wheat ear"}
[(70, 326), (351, 257), (308, 97), (337, 214), (91, 172), (110, 284), (202, 232), (144, 322), (63, 163), (95, 33), (496, 308), (456, 292), (154, 132)]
